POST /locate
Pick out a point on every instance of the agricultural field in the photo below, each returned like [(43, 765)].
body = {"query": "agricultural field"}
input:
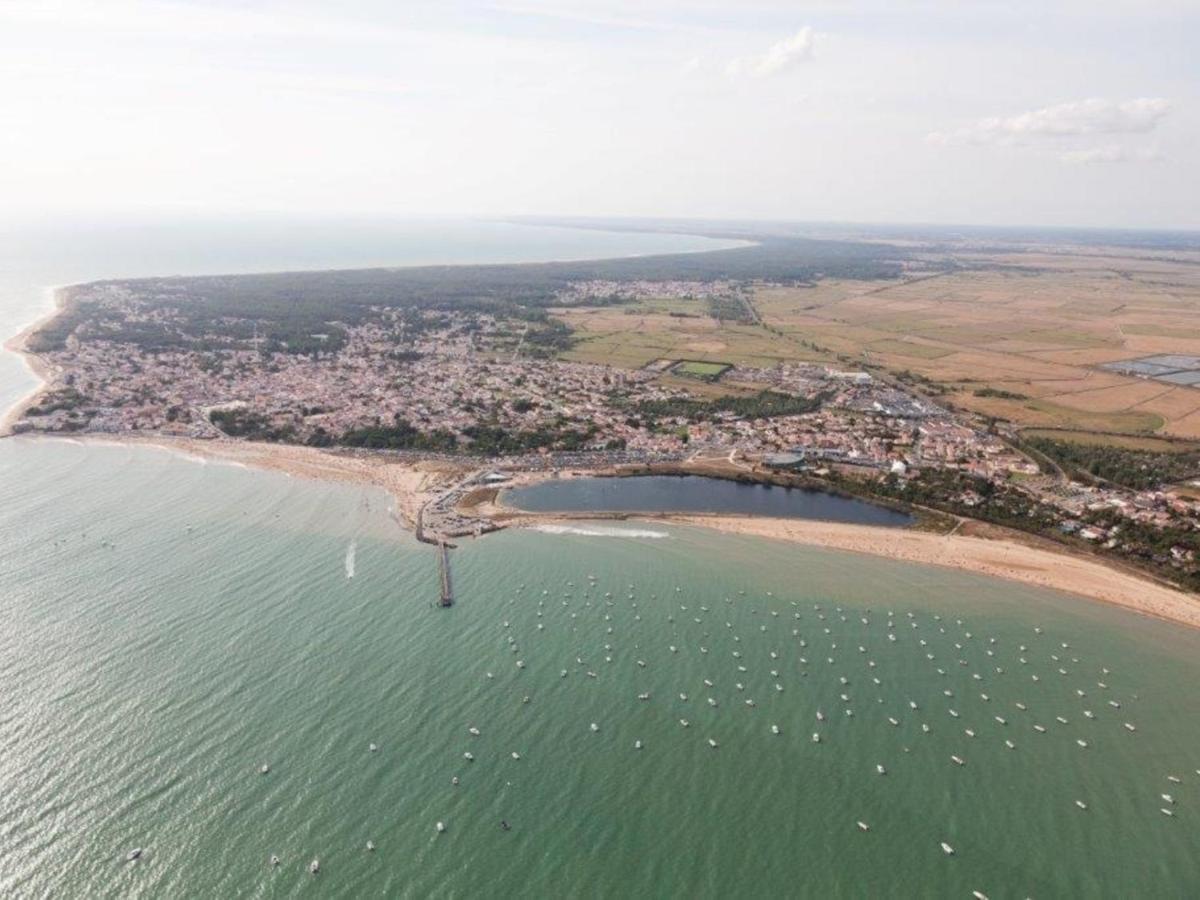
[(1028, 331), (1019, 336)]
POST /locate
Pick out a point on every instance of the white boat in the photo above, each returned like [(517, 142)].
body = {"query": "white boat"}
[(1010, 745), (947, 849), (683, 697), (595, 727), (893, 721), (1174, 779), (1169, 799), (816, 738), (1081, 804), (372, 748), (274, 860), (265, 769), (1130, 727), (440, 827), (637, 745), (1081, 742), (370, 845), (1001, 720), (683, 722), (473, 731), (314, 867), (958, 760), (134, 854), (712, 743), (1167, 811), (468, 756), (880, 769), (774, 729), (863, 826), (925, 728), (516, 755)]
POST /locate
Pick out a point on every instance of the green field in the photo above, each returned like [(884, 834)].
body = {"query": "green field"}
[(695, 368)]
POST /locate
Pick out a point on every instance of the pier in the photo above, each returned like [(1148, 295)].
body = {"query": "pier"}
[(444, 568)]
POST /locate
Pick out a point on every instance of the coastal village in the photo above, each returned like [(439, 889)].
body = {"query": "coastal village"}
[(490, 390)]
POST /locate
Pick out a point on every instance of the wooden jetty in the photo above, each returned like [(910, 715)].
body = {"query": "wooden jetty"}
[(444, 566)]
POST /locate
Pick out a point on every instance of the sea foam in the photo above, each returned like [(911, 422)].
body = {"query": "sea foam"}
[(601, 531)]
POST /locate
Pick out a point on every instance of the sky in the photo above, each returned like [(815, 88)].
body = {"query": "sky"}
[(1056, 112)]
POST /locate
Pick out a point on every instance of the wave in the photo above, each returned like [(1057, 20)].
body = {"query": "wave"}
[(350, 553), (601, 531)]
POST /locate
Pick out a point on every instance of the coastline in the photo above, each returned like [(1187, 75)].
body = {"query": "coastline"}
[(978, 548), (990, 556), (411, 485), (41, 370), (989, 553)]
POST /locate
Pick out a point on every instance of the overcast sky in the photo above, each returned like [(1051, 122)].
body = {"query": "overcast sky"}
[(1015, 112)]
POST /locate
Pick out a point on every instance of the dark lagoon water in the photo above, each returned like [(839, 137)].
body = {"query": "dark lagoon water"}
[(696, 493)]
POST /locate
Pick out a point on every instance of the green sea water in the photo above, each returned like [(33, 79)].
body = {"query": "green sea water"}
[(171, 626)]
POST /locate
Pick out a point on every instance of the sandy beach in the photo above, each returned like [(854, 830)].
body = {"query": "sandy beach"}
[(42, 371), (996, 555), (411, 484), (1006, 559)]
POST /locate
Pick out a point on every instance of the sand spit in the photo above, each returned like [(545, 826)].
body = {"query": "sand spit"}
[(998, 558)]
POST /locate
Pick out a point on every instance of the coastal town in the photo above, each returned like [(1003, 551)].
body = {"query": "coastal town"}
[(492, 391)]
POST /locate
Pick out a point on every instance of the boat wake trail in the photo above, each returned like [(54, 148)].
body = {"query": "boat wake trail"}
[(350, 551), (601, 531)]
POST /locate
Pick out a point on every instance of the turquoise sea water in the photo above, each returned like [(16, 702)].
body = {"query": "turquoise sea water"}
[(172, 625)]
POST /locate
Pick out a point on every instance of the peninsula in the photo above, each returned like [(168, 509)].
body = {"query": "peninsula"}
[(889, 367)]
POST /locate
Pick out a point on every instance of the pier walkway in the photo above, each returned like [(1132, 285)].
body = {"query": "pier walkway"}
[(444, 567)]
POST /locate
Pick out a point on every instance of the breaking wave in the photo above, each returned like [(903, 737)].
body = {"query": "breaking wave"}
[(601, 531)]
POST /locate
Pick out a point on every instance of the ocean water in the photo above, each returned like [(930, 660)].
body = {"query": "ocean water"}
[(171, 625)]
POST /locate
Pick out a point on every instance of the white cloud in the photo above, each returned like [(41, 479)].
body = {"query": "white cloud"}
[(1110, 153), (1082, 117), (779, 57)]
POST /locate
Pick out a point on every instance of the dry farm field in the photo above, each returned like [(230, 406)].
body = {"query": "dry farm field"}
[(1020, 336)]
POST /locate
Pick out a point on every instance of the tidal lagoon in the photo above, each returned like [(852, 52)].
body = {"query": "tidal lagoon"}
[(697, 493)]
